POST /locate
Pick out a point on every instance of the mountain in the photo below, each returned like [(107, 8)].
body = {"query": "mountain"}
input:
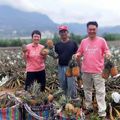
[(81, 29), (114, 29), (77, 28), (14, 22)]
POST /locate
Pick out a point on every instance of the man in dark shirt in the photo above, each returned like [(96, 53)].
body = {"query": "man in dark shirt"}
[(65, 49)]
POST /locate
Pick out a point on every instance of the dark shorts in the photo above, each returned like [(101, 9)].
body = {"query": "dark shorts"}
[(40, 76)]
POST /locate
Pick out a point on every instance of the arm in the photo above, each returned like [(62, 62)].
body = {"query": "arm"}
[(24, 52), (106, 50), (24, 55), (54, 52), (79, 52)]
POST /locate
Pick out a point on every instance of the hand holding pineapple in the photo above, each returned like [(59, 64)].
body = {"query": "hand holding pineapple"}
[(77, 56), (24, 48), (108, 56), (44, 52)]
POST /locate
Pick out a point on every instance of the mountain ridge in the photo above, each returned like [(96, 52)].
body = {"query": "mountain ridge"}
[(14, 22)]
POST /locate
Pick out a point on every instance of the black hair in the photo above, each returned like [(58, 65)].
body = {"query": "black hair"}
[(36, 32), (92, 23)]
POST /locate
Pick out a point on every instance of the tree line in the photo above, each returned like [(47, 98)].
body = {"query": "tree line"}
[(77, 38)]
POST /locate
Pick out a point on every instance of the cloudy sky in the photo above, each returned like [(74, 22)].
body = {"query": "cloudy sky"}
[(106, 12)]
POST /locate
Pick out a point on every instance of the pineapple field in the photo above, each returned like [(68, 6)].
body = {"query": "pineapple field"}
[(12, 80)]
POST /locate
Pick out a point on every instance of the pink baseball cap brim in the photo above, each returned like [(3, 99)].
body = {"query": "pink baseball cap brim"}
[(63, 27)]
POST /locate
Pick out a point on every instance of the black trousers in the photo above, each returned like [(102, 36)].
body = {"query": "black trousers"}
[(39, 76)]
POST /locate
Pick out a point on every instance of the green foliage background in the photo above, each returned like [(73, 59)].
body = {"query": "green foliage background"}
[(77, 38)]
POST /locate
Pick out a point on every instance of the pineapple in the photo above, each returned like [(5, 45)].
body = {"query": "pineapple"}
[(34, 95), (69, 72), (73, 68), (44, 52), (49, 43), (110, 66), (114, 71), (105, 74)]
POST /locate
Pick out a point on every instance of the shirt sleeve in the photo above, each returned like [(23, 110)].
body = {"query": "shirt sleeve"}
[(56, 50), (80, 49), (105, 47)]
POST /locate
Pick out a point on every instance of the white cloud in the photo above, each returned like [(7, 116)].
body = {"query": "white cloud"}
[(106, 12)]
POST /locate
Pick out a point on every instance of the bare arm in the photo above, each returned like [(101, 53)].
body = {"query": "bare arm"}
[(24, 52)]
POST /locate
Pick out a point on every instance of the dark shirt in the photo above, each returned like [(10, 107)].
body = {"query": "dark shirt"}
[(65, 51)]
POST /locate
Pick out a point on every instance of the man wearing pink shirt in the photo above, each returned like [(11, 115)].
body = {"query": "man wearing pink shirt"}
[(35, 61), (93, 49)]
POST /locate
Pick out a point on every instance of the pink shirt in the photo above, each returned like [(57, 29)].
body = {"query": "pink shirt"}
[(93, 52), (34, 61)]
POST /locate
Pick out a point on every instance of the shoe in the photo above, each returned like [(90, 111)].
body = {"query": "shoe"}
[(88, 111)]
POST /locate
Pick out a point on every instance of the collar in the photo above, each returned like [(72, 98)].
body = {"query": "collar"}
[(65, 41), (93, 38), (34, 45)]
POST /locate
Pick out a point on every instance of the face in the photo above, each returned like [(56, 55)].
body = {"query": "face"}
[(92, 31), (64, 35), (36, 38)]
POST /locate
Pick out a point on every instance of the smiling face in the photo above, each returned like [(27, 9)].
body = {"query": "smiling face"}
[(64, 35), (92, 31), (36, 38)]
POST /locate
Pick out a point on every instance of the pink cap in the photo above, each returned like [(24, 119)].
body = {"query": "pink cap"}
[(63, 27)]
